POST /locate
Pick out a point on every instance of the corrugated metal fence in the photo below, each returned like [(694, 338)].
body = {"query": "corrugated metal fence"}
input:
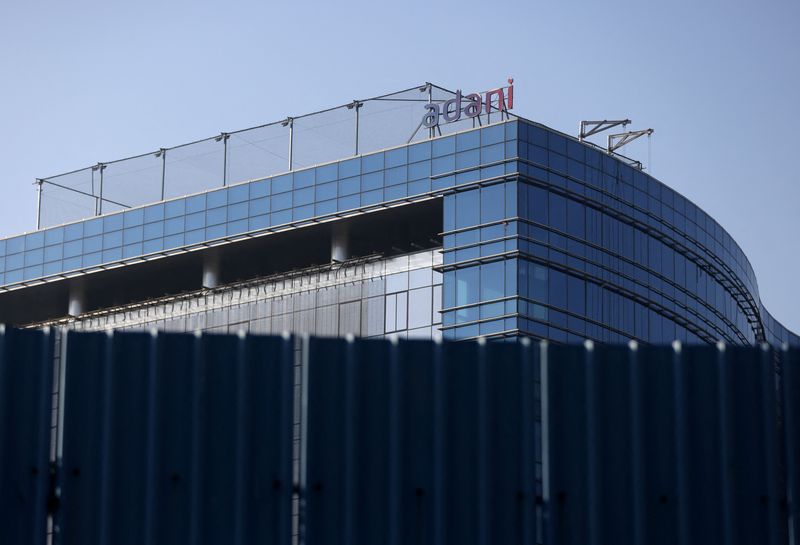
[(178, 438)]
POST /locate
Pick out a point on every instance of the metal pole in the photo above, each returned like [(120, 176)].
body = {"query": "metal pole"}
[(39, 203), (100, 167), (290, 122), (431, 132), (163, 173), (225, 159), (356, 105)]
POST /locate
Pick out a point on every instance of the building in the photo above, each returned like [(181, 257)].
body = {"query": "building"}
[(423, 213)]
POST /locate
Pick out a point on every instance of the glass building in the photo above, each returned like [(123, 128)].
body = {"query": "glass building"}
[(493, 227)]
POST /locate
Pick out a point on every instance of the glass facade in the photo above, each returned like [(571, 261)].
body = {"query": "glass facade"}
[(543, 236), (398, 296)]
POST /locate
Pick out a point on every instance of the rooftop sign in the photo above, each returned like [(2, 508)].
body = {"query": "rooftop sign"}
[(471, 105)]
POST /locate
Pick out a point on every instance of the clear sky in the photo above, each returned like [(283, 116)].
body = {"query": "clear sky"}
[(82, 82)]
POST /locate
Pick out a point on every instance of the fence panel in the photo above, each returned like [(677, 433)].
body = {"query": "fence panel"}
[(26, 361), (791, 429), (661, 446), (177, 438), (420, 442)]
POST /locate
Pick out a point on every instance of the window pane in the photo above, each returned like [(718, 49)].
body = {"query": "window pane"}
[(467, 282), (492, 280), (467, 210), (492, 203)]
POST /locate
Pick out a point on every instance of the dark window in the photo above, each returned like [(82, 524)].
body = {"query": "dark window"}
[(558, 212)]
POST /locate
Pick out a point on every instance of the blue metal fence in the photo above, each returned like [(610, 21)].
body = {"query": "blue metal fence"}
[(26, 361), (177, 439), (189, 439)]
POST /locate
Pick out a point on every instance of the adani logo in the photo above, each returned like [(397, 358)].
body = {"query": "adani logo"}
[(471, 105)]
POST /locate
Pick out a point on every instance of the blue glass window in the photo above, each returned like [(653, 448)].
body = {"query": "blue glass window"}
[(132, 234), (154, 213), (351, 167), (419, 170), (419, 152), (558, 289), (396, 175), (443, 146), (259, 206), (237, 211), (468, 140), (492, 135), (34, 240), (217, 231), (327, 173), (303, 212), (576, 219), (396, 157), (217, 198), (467, 285), (52, 253), (371, 197), (15, 245), (493, 153), (372, 181), (114, 254), (304, 178), (282, 201), (492, 280), (34, 257), (372, 163), (174, 241), (326, 191), (112, 223), (93, 244), (195, 204), (174, 209), (238, 193), (259, 189), (73, 232), (303, 196), (133, 217), (112, 240), (347, 203), (467, 209), (348, 186), (325, 207), (442, 165), (214, 216), (281, 184), (468, 159), (193, 221), (395, 192), (558, 211), (153, 230), (93, 227), (492, 203), (174, 225), (236, 227), (71, 249)]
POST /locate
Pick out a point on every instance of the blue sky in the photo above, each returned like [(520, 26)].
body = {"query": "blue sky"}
[(84, 82)]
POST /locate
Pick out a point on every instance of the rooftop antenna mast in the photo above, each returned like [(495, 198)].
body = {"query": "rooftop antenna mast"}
[(589, 128), (616, 141)]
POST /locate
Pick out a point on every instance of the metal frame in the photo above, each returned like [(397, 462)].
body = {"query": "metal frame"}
[(599, 126), (616, 141)]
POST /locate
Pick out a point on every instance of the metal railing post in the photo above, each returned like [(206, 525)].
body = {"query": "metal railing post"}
[(163, 154), (357, 105), (431, 131), (101, 167), (39, 189), (289, 122), (224, 137)]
